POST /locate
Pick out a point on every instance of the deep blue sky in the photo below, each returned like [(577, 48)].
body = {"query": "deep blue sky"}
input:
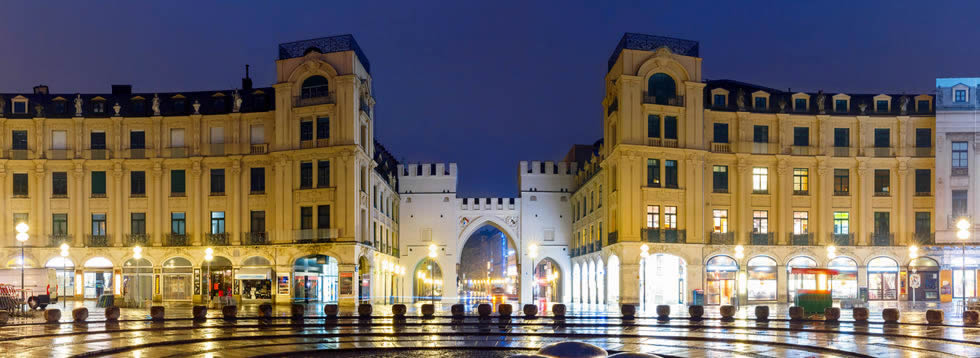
[(485, 85)]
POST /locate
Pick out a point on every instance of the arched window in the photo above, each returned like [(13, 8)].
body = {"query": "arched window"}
[(314, 86), (662, 88)]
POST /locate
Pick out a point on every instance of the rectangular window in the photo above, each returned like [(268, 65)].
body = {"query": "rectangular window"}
[(760, 221), (840, 105), (653, 173), (306, 218), (177, 183), (137, 183), (720, 178), (882, 222), (653, 216), (842, 182), (97, 140), (137, 223), (257, 222), (670, 217), (960, 155), (721, 133), (323, 217), (923, 182), (20, 218), (923, 223), (98, 184), (670, 127), (719, 100), (720, 220), (960, 203), (801, 222), (801, 181), (801, 136), (842, 137), (923, 137), (960, 96), (760, 103), (19, 140), (98, 225), (21, 187), (799, 104), (882, 182), (217, 135), (217, 222), (257, 177), (256, 134), (178, 223), (98, 107), (841, 222), (306, 130), (217, 182), (59, 184), (670, 173), (137, 140), (760, 180), (305, 175), (323, 127), (760, 134), (881, 105), (59, 139), (322, 173), (922, 106), (177, 138), (59, 224), (882, 137), (653, 126)]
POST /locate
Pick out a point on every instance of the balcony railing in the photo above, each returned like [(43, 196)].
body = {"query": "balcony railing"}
[(218, 148), (20, 154), (880, 152), (882, 193), (758, 148), (255, 238), (882, 238), (97, 154), (259, 148), (802, 150), (299, 101), (721, 238), (960, 171), (137, 239), (922, 152), (59, 153), (843, 152), (97, 240), (805, 239), (136, 153), (176, 152), (173, 239), (612, 238), (923, 193), (663, 100), (721, 147), (305, 236), (57, 239), (216, 239), (672, 236), (924, 238), (762, 238), (842, 239)]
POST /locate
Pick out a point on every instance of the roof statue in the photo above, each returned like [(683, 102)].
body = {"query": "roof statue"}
[(904, 104), (237, 102), (78, 105), (156, 104), (820, 100), (197, 107)]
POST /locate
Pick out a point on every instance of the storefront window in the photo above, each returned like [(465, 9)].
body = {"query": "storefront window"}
[(762, 279), (882, 279), (137, 280), (65, 272), (315, 279), (662, 280), (97, 278), (805, 281), (967, 267), (177, 279), (720, 283), (924, 273), (844, 284), (255, 278)]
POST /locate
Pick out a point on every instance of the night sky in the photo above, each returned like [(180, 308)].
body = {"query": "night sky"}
[(486, 85)]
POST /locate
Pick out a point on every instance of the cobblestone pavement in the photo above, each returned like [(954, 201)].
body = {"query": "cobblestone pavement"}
[(381, 336)]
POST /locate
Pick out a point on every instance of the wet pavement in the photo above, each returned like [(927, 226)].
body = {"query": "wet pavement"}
[(381, 336)]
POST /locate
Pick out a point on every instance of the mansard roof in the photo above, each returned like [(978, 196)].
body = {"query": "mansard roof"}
[(338, 43), (736, 88), (644, 42), (387, 165), (141, 104)]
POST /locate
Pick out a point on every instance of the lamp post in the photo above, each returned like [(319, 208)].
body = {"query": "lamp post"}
[(432, 255), (644, 285), (64, 268), (963, 234), (913, 254), (22, 236), (532, 252), (208, 256), (739, 255), (137, 255)]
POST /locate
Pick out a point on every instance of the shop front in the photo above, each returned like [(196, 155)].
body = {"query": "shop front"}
[(845, 283), (65, 271), (762, 281), (177, 279), (720, 280), (964, 276), (882, 279), (804, 281), (315, 278), (97, 278), (254, 279), (218, 278), (137, 281), (662, 280), (923, 281)]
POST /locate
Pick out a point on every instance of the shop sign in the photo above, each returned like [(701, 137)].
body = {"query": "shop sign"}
[(284, 284), (346, 283)]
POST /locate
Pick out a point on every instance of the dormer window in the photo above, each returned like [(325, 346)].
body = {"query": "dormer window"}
[(799, 104), (314, 86), (59, 107), (719, 100), (760, 103), (219, 104), (959, 95), (179, 105), (881, 106), (138, 107), (922, 105), (20, 106), (98, 107)]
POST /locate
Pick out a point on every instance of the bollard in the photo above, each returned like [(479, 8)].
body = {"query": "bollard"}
[(484, 310), (112, 313), (52, 315), (458, 310), (831, 314), (696, 312), (229, 312), (970, 318), (796, 313), (890, 315), (156, 313), (79, 314), (398, 311), (762, 313), (331, 310), (572, 349), (428, 310), (265, 310), (364, 310), (727, 312), (4, 317), (199, 313), (934, 317), (663, 312), (505, 310), (530, 311), (860, 314), (628, 311), (297, 311), (558, 310)]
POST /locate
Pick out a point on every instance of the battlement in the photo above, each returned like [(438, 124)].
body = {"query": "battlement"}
[(427, 178), (538, 175), (426, 169), (487, 203), (548, 167)]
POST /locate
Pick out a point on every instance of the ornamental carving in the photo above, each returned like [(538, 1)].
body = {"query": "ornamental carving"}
[(463, 221), (512, 221)]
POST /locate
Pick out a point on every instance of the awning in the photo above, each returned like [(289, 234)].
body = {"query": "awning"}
[(254, 273)]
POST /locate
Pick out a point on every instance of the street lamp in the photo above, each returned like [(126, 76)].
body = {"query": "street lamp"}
[(739, 254), (532, 252), (208, 256), (963, 234), (831, 252), (22, 236), (64, 280), (913, 254), (137, 255)]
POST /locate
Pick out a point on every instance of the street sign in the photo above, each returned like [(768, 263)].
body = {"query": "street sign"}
[(915, 281)]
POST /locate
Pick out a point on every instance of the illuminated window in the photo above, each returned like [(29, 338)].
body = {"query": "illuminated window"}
[(760, 221), (841, 222), (800, 222), (720, 220), (653, 216), (670, 217), (801, 181), (760, 180)]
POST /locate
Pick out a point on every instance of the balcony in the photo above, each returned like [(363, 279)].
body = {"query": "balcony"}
[(218, 149), (762, 238), (842, 239), (303, 101), (924, 238), (721, 238), (923, 193), (176, 152), (663, 100), (805, 239), (322, 142), (259, 148), (255, 238), (137, 239), (721, 147), (841, 193), (882, 239), (216, 239), (612, 238), (20, 154), (845, 152), (59, 154), (97, 240), (307, 236), (96, 154), (56, 240), (136, 153), (921, 152), (173, 239), (956, 172), (758, 148), (99, 195), (801, 150), (801, 192), (882, 193), (879, 152), (672, 236)]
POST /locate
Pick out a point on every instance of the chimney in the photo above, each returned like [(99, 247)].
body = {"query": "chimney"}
[(41, 89), (122, 90), (246, 82)]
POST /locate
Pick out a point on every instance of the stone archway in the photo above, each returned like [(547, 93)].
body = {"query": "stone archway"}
[(488, 263)]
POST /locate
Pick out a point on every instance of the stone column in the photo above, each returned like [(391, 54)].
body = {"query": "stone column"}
[(117, 196), (282, 188), (784, 196), (902, 198), (864, 217), (194, 214), (823, 226), (41, 197), (4, 204), (236, 195), (79, 205), (695, 199), (743, 208), (629, 275), (156, 214)]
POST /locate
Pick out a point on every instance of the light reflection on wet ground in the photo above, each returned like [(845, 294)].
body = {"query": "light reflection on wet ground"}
[(182, 337)]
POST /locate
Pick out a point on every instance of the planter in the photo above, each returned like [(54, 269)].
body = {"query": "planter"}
[(265, 310), (971, 318), (52, 315), (428, 310), (727, 312), (796, 313), (484, 310), (199, 312), (156, 313), (229, 312), (530, 311), (505, 310), (831, 314), (297, 311), (458, 310), (4, 317), (558, 310), (628, 311), (331, 310), (696, 312), (112, 313), (399, 310), (762, 313), (860, 314), (364, 310), (890, 315), (663, 312), (79, 314), (934, 316)]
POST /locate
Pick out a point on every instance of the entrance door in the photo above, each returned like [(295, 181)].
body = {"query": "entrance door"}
[(720, 291), (881, 286)]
